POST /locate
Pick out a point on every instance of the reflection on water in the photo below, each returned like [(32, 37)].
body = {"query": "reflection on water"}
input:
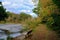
[(15, 35), (11, 35), (12, 28)]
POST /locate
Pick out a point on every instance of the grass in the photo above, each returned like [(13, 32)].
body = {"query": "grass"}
[(43, 33)]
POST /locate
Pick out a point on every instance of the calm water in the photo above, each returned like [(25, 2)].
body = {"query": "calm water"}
[(11, 28)]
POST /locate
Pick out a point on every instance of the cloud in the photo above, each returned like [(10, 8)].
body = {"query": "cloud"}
[(18, 6), (25, 11), (33, 14), (6, 3)]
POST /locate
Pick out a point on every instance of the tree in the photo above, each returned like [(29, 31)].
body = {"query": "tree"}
[(49, 12), (12, 17), (3, 14), (57, 2), (24, 16)]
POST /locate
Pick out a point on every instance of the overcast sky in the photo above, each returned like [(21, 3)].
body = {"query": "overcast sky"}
[(18, 6)]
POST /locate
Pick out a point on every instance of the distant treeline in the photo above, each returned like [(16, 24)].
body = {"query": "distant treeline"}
[(12, 17)]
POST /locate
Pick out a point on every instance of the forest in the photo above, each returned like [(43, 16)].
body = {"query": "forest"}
[(46, 26)]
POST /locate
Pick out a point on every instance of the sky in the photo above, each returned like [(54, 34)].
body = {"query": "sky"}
[(18, 6)]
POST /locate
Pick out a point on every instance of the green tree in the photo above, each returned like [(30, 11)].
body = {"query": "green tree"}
[(3, 14), (57, 2), (12, 17), (49, 12), (24, 16)]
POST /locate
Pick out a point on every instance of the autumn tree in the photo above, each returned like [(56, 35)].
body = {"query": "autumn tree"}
[(49, 12), (12, 17), (24, 16)]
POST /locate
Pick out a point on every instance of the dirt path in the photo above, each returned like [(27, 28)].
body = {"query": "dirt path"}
[(42, 33)]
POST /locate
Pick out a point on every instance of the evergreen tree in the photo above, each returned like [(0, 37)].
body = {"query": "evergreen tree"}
[(3, 14)]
